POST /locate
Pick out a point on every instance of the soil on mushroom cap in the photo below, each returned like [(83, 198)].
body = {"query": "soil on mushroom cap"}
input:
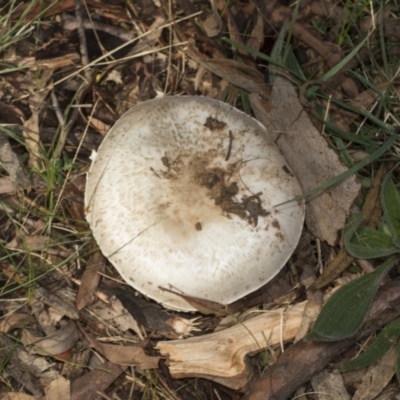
[(219, 187)]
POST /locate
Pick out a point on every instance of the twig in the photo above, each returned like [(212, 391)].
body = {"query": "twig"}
[(82, 37), (56, 108), (230, 146)]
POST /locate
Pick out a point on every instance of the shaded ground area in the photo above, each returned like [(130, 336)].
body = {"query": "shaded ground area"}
[(321, 76)]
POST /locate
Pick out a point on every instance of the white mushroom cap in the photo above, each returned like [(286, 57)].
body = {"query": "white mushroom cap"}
[(181, 196)]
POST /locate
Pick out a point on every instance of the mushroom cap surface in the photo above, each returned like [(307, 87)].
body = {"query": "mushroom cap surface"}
[(181, 195)]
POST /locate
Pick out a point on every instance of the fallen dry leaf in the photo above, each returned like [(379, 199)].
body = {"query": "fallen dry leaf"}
[(90, 280), (310, 158), (377, 377), (31, 126), (13, 165), (59, 302), (87, 386), (115, 314), (213, 23), (100, 126), (123, 355), (58, 342), (235, 72), (15, 321), (59, 389), (256, 38), (344, 118), (16, 396), (329, 385)]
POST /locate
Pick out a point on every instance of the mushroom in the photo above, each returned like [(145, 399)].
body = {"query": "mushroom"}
[(185, 194)]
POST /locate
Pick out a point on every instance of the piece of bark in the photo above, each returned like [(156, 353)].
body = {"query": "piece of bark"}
[(304, 359), (310, 158), (221, 356)]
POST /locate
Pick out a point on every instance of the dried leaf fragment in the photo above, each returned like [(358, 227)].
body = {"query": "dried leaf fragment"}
[(123, 355), (56, 343), (310, 158)]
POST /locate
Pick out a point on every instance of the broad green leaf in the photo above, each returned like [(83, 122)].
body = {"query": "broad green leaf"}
[(369, 243), (352, 225), (390, 199), (363, 242), (345, 311), (388, 337)]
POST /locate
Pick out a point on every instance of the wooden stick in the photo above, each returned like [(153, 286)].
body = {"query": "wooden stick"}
[(221, 356)]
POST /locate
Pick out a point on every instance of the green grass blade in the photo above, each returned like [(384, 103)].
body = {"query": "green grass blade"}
[(340, 65), (390, 200)]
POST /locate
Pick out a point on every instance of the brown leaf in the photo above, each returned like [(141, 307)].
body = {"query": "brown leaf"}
[(310, 158), (31, 126), (213, 23), (363, 101), (329, 385), (100, 126), (29, 242), (206, 307), (7, 185), (15, 321), (87, 386), (377, 377), (16, 396), (237, 73), (123, 355), (13, 165), (58, 389), (56, 343), (115, 314), (256, 38), (90, 280)]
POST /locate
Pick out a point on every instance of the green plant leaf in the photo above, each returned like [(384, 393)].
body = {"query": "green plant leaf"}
[(369, 243), (388, 337), (390, 199), (345, 311), (364, 242)]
